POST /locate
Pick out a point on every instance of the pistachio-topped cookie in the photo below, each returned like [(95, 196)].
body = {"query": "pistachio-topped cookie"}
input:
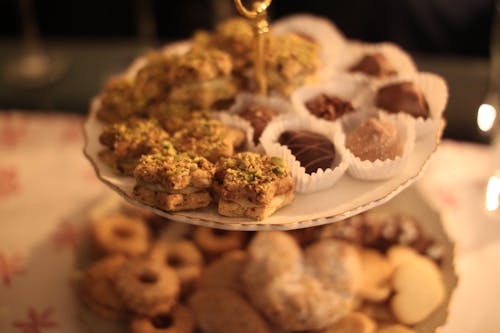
[(127, 141), (116, 101), (252, 185), (209, 138), (174, 182)]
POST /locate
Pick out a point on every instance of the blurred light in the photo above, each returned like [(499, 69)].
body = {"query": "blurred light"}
[(486, 115), (493, 194)]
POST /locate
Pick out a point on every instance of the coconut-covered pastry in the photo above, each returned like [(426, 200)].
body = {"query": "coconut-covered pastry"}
[(173, 117), (258, 117), (201, 77), (314, 151), (208, 138), (402, 97), (375, 140), (127, 141), (328, 107), (291, 61), (173, 182), (375, 65), (252, 185), (116, 101)]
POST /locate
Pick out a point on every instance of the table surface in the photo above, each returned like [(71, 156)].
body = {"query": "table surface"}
[(45, 181), (90, 63)]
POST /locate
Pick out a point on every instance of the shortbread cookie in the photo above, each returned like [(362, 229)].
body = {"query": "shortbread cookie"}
[(120, 234), (145, 284), (376, 273), (97, 288), (179, 319), (419, 290), (354, 322), (252, 185), (225, 311), (182, 256)]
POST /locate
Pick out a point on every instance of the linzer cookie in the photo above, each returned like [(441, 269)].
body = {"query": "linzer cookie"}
[(313, 151)]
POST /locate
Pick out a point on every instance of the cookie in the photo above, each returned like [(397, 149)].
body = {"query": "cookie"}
[(179, 319), (214, 242), (225, 311), (354, 322), (120, 234), (183, 257), (144, 284), (419, 289), (97, 288), (396, 329), (376, 273), (224, 272)]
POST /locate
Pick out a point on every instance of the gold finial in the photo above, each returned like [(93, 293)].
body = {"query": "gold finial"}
[(258, 16)]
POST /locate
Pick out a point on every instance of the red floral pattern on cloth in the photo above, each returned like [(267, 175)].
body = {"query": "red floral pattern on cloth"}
[(448, 198), (66, 236), (36, 322), (12, 130), (10, 266), (72, 131), (9, 183)]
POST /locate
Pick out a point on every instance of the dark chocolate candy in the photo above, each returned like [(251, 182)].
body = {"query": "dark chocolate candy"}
[(258, 117), (402, 97), (313, 151), (375, 64), (328, 107)]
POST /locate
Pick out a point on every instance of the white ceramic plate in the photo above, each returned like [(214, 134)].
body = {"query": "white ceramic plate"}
[(346, 198)]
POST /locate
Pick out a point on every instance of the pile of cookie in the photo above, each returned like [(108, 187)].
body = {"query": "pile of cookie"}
[(180, 115), (370, 274)]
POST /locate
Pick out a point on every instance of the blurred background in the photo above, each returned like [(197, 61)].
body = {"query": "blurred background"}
[(70, 48)]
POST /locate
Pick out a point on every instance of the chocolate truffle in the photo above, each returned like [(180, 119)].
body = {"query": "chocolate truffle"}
[(259, 117), (374, 140), (328, 107), (313, 151), (402, 97), (375, 64)]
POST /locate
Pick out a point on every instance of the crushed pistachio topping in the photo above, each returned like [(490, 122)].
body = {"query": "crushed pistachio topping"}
[(174, 171), (201, 65), (235, 35), (151, 82), (252, 169), (291, 55), (117, 101)]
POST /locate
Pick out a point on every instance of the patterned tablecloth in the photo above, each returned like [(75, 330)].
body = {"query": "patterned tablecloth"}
[(45, 181)]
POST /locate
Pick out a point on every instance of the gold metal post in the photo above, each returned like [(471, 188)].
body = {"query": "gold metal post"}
[(258, 16)]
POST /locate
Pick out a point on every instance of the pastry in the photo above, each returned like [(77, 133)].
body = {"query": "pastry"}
[(214, 242), (164, 320), (127, 141), (208, 138), (116, 101), (252, 185), (375, 140), (314, 151), (173, 182), (402, 97)]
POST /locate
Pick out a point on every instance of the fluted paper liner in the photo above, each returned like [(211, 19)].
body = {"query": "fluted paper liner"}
[(320, 30), (321, 179), (356, 91), (354, 51), (435, 91), (379, 170)]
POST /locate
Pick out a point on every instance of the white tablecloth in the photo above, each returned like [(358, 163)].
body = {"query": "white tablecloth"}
[(45, 181)]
